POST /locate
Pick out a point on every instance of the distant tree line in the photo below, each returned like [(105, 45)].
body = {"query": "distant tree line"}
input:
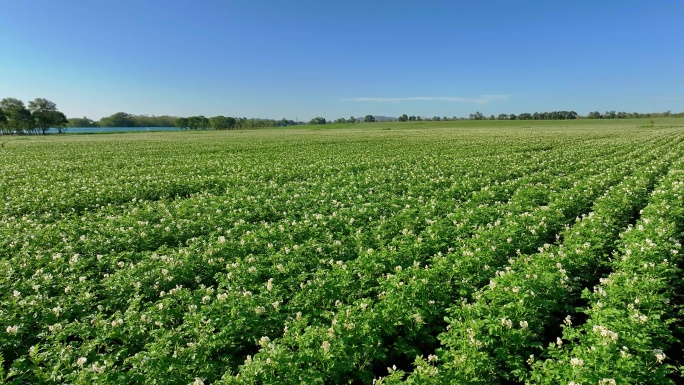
[(566, 115), (40, 116), (352, 120), (199, 122), (122, 119), (226, 123), (413, 118), (553, 115), (633, 115)]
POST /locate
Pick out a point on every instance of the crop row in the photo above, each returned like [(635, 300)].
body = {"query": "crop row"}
[(363, 334), (494, 338), (148, 225), (631, 325), (147, 277), (286, 259), (56, 179)]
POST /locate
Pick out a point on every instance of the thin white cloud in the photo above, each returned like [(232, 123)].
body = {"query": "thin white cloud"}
[(449, 99)]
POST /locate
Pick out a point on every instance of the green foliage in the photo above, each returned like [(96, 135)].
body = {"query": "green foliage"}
[(81, 122), (506, 323), (46, 115), (40, 116), (477, 116), (120, 119), (424, 254), (123, 119), (181, 123), (18, 118), (630, 312), (198, 123), (225, 123), (317, 120), (222, 123)]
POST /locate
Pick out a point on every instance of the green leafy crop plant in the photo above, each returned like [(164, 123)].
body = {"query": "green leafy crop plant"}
[(498, 335), (289, 256), (412, 296), (630, 327)]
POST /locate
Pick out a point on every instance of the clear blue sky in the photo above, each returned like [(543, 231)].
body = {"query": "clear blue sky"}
[(306, 58)]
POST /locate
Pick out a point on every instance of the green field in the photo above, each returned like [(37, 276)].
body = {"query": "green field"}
[(470, 252)]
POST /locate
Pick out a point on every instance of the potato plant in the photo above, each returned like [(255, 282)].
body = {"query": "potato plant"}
[(341, 256)]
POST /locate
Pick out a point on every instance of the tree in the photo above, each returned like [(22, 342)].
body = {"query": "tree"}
[(181, 123), (352, 120), (594, 115), (59, 121), (3, 120), (476, 116), (120, 119), (18, 117), (232, 123), (259, 123), (152, 121), (436, 119), (369, 119), (340, 121), (45, 115), (219, 123), (203, 122), (193, 123), (81, 122), (318, 120), (198, 123), (403, 118), (412, 118)]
